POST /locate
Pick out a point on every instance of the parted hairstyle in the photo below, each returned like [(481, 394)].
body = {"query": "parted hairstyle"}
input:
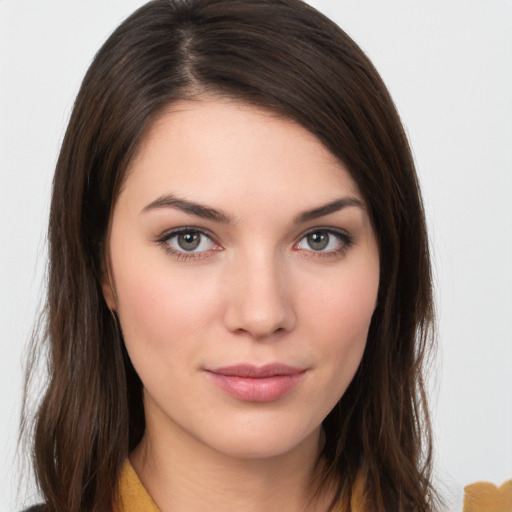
[(279, 55)]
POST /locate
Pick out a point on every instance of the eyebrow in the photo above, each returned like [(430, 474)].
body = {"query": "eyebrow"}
[(207, 212), (332, 207), (197, 209)]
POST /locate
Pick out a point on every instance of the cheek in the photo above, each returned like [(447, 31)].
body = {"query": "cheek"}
[(161, 311), (339, 320), (344, 305)]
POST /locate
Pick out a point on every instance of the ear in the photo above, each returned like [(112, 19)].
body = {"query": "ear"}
[(107, 284)]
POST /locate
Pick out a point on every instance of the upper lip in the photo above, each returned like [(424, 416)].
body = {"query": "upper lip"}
[(257, 372)]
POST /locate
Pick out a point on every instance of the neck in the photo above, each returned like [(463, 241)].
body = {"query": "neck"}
[(181, 473)]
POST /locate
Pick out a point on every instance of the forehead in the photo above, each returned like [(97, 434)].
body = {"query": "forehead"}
[(224, 150)]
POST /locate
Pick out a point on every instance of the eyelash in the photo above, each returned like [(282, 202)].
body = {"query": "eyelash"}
[(183, 255), (344, 238)]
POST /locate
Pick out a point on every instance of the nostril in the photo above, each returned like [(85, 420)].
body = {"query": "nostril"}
[(259, 334)]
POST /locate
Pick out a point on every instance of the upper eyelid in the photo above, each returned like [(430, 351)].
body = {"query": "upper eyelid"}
[(185, 229), (328, 229)]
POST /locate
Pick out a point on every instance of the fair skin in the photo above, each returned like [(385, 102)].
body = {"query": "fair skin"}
[(257, 276)]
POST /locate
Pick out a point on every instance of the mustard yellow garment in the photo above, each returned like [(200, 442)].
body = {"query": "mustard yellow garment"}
[(133, 497), (478, 497), (486, 497)]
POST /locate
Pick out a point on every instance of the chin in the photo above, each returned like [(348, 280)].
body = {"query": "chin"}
[(263, 443)]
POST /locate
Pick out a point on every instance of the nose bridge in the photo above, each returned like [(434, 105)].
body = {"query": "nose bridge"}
[(260, 294)]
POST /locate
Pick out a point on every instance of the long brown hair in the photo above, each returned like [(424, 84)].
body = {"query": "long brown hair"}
[(286, 57)]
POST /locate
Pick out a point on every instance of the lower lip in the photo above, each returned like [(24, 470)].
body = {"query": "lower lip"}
[(264, 389)]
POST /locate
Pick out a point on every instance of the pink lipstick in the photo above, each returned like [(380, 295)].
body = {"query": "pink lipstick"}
[(256, 383)]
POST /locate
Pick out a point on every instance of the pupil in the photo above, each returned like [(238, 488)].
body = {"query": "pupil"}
[(318, 241), (189, 241)]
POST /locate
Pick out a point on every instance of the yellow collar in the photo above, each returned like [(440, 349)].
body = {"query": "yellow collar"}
[(133, 496)]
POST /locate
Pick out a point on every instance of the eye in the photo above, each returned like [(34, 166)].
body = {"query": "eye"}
[(324, 241), (187, 242)]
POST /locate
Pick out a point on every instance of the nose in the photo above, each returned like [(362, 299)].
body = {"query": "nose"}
[(259, 298)]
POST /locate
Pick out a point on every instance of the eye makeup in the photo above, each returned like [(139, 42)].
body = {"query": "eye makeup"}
[(324, 242), (188, 243), (194, 243)]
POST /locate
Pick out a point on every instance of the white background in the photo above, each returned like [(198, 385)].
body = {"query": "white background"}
[(448, 64)]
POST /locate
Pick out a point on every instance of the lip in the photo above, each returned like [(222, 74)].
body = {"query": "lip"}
[(256, 383)]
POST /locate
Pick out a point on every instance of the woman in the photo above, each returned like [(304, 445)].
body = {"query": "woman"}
[(239, 293)]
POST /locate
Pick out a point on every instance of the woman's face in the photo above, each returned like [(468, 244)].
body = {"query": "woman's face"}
[(245, 271)]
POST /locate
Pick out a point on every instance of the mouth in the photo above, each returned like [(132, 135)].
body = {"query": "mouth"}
[(251, 383)]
